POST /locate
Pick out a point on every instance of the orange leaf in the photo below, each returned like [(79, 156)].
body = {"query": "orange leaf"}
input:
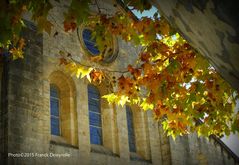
[(97, 76)]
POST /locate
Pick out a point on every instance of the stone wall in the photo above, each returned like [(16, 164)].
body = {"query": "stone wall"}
[(211, 27), (26, 125), (195, 150)]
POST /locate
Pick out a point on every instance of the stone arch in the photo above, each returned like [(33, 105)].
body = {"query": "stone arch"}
[(67, 107)]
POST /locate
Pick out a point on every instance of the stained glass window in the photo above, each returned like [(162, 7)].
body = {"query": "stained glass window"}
[(130, 125), (90, 43), (54, 110), (94, 115)]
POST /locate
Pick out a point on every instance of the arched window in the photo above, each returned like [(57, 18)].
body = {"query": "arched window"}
[(131, 133), (54, 106), (94, 115), (63, 114)]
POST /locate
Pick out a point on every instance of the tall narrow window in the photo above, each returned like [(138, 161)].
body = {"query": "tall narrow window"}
[(94, 115), (131, 134), (54, 103)]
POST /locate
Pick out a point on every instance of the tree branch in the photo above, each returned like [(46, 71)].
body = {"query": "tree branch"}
[(103, 69)]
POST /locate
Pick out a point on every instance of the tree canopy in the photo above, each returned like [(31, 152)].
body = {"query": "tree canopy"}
[(172, 79)]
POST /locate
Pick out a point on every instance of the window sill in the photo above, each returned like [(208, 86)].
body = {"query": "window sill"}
[(102, 150), (135, 157), (57, 140)]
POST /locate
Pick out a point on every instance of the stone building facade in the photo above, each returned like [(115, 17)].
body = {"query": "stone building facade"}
[(212, 28), (25, 124)]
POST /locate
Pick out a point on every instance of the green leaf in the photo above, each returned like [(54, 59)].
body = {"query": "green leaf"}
[(80, 10)]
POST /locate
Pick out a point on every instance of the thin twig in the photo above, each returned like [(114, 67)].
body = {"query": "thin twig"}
[(98, 7), (103, 69)]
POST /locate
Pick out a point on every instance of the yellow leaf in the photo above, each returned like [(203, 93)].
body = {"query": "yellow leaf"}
[(173, 136), (136, 101), (78, 73), (16, 53), (199, 133), (88, 77), (110, 97), (146, 106), (202, 101), (85, 72), (72, 68), (123, 100)]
